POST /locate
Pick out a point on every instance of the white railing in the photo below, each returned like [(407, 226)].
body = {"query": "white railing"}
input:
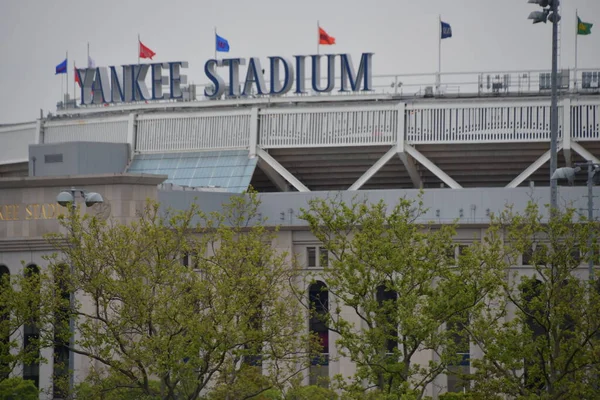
[(193, 131), (458, 84), (478, 123), (87, 130), (342, 126), (585, 120), (15, 141)]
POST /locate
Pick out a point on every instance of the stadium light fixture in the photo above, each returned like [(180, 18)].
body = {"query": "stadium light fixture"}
[(66, 198), (550, 13)]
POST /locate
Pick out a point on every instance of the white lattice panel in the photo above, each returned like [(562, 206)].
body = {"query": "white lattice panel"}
[(480, 124), (174, 132), (101, 130), (328, 127), (585, 122), (15, 141)]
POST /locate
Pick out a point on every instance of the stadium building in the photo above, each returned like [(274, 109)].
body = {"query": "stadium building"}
[(474, 142)]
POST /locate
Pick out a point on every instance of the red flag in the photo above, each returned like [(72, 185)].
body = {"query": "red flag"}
[(76, 76), (324, 38), (145, 52)]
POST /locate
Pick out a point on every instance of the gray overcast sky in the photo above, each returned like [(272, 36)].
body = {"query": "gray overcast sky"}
[(487, 35)]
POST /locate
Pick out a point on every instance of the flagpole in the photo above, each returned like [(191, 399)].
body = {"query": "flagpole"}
[(139, 48), (215, 43), (318, 37), (88, 54), (576, 38), (74, 68), (439, 52)]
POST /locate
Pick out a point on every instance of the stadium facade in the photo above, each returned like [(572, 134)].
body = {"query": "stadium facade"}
[(474, 142)]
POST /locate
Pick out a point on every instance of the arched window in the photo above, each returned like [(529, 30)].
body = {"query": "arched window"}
[(31, 371), (318, 297), (531, 293), (61, 350), (4, 316)]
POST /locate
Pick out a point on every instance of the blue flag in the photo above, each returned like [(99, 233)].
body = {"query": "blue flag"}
[(446, 30), (61, 68), (222, 44)]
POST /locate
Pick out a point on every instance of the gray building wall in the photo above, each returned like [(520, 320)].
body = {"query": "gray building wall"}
[(77, 158), (443, 206)]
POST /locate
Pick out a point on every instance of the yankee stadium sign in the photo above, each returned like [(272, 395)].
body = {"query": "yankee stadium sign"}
[(129, 83)]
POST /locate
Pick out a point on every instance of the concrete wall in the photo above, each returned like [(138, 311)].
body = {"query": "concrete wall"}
[(77, 158)]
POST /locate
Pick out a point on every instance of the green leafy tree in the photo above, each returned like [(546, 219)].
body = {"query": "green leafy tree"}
[(404, 286), (144, 315), (18, 389), (19, 305), (539, 335)]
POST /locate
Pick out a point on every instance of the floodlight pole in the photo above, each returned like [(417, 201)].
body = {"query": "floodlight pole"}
[(69, 203), (590, 185), (554, 109)]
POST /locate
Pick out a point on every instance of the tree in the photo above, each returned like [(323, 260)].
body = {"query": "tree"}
[(402, 282), (22, 293), (18, 389), (548, 348), (143, 314)]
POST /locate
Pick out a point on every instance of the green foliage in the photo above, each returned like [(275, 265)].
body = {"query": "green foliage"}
[(250, 384), (111, 391), (311, 392), (18, 389), (396, 275), (458, 396), (146, 315), (548, 350)]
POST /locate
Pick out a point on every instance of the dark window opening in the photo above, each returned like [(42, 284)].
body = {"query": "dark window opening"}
[(31, 370), (531, 293), (53, 158), (61, 342), (317, 257), (387, 302), (461, 367), (318, 297)]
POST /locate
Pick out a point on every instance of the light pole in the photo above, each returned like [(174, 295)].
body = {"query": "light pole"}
[(550, 12), (569, 174), (66, 198)]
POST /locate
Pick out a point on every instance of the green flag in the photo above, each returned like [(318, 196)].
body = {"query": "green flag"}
[(583, 28)]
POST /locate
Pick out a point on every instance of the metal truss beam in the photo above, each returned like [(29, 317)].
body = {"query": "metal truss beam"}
[(284, 173), (273, 176), (411, 168), (531, 169), (373, 170), (424, 161), (583, 152)]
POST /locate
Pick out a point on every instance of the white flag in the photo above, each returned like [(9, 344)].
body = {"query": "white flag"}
[(91, 63)]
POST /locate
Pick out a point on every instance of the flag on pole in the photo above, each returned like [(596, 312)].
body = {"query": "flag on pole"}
[(446, 30), (324, 37), (61, 68), (91, 62), (76, 75), (583, 28), (145, 52), (221, 44)]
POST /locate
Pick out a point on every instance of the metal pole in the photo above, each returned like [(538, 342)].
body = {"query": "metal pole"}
[(576, 36), (554, 111), (590, 185), (73, 210), (439, 78)]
